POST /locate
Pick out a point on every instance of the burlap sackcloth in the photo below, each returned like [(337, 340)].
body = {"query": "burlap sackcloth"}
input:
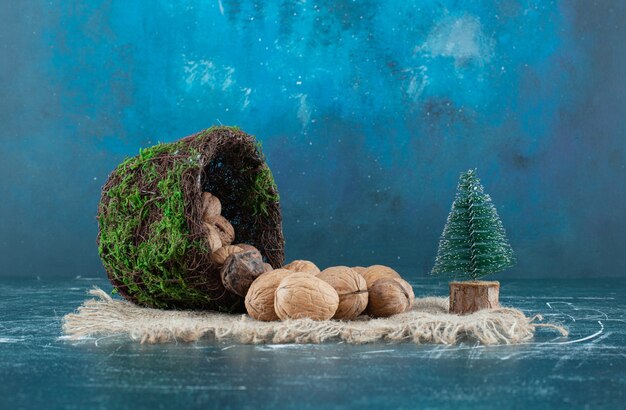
[(428, 322)]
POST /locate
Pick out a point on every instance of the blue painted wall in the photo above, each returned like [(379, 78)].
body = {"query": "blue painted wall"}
[(367, 110)]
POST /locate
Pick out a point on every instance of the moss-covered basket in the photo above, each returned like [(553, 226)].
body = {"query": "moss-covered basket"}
[(151, 238)]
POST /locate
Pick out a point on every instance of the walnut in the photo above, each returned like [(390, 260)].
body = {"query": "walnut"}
[(302, 295), (240, 270), (260, 297), (375, 272), (211, 205), (359, 269), (408, 289), (389, 296), (302, 266), (220, 255), (267, 267), (247, 247), (224, 228), (213, 237), (352, 290)]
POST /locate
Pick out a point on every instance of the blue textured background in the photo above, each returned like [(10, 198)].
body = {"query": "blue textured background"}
[(368, 111)]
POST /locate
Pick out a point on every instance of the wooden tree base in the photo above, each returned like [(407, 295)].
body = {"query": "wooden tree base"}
[(471, 296)]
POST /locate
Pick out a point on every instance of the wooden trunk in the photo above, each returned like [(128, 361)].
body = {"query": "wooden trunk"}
[(471, 296)]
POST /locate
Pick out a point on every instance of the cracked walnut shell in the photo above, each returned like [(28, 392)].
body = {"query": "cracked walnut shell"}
[(247, 248), (240, 270)]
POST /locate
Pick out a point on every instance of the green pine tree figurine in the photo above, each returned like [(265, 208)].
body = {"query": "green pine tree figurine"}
[(473, 245)]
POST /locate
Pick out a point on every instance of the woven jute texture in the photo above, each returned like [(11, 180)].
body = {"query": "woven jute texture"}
[(428, 322)]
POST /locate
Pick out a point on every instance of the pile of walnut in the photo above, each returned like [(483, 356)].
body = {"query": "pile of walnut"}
[(240, 264), (299, 290)]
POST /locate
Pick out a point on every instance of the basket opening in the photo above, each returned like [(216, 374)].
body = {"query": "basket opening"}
[(229, 176)]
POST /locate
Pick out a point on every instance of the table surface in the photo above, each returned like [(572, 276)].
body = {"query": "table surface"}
[(587, 369)]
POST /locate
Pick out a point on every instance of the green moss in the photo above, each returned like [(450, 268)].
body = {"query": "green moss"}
[(262, 192), (158, 260)]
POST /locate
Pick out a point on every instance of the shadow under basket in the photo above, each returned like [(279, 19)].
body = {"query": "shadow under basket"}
[(151, 238)]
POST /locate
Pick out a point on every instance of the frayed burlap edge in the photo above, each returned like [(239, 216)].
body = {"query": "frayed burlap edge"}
[(428, 322)]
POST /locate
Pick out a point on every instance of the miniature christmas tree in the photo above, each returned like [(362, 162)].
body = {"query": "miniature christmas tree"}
[(473, 243)]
